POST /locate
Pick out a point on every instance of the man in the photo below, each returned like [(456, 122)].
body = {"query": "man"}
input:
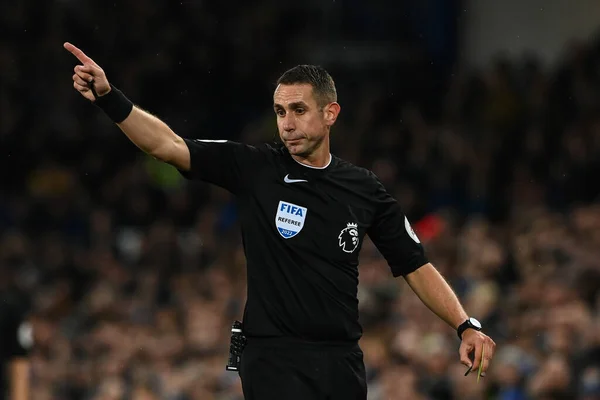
[(304, 214), (16, 340)]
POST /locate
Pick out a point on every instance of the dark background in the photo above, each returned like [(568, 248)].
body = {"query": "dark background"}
[(132, 275)]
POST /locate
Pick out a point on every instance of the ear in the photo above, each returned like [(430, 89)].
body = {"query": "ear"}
[(331, 112)]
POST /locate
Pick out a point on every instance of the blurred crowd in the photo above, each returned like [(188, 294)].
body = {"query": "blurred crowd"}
[(133, 275)]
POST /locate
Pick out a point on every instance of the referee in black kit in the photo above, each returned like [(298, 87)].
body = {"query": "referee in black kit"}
[(304, 214)]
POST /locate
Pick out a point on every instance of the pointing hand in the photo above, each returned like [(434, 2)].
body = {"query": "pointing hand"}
[(88, 76)]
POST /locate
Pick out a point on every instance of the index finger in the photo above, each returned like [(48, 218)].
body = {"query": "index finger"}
[(78, 53)]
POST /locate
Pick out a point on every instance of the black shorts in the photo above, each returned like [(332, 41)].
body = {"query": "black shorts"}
[(279, 370)]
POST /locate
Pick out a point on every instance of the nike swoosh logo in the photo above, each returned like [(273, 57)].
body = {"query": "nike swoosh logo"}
[(288, 180)]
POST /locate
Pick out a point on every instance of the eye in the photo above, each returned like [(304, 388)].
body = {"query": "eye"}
[(300, 111), (280, 112)]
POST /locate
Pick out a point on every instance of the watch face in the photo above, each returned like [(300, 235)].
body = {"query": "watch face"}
[(475, 323)]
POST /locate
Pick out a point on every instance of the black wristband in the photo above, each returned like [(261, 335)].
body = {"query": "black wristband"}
[(114, 104), (470, 323)]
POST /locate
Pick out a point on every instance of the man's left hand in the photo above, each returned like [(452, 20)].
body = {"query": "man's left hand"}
[(475, 341)]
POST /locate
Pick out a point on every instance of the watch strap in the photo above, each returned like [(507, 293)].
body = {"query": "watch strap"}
[(464, 326)]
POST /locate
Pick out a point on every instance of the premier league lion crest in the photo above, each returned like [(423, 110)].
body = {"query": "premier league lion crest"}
[(348, 238)]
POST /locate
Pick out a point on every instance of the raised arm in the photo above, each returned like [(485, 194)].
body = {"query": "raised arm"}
[(145, 130)]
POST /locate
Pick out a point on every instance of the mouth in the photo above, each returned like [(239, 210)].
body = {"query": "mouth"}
[(293, 141)]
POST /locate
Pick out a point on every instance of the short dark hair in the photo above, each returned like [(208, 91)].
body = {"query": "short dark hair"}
[(314, 75)]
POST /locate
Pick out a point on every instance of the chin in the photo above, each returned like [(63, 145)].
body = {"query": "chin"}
[(296, 149)]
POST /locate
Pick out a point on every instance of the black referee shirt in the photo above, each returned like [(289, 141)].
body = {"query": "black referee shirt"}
[(302, 230)]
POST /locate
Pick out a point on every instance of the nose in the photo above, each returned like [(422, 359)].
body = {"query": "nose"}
[(288, 124)]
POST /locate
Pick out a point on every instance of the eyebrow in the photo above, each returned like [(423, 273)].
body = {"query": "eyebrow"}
[(292, 106)]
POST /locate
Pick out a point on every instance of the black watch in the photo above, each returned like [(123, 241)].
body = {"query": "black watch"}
[(470, 323)]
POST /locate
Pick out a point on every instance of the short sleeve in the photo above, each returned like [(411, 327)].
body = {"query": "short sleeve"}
[(221, 162), (393, 235)]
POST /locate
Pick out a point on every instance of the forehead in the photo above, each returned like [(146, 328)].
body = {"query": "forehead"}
[(286, 94)]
